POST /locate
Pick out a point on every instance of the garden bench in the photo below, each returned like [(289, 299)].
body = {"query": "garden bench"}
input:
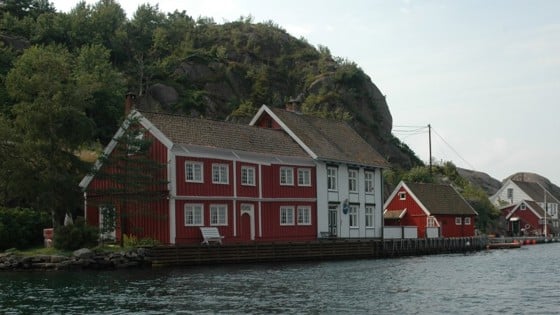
[(210, 234)]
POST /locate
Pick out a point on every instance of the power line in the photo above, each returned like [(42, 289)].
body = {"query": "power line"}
[(453, 149)]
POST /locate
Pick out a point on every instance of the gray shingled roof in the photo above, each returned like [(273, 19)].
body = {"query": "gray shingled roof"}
[(183, 130), (535, 206), (534, 190), (331, 140), (441, 199)]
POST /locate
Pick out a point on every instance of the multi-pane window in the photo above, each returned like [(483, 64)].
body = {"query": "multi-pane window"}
[(304, 216), (368, 182), (458, 221), (369, 216), (331, 178), (510, 193), (353, 216), (353, 180), (286, 215), (193, 172), (218, 214), (468, 221), (286, 176), (220, 173), (194, 215), (248, 176), (304, 177)]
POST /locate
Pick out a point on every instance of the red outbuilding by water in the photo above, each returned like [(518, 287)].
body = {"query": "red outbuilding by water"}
[(435, 210)]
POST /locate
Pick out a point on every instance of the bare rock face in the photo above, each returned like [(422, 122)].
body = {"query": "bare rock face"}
[(489, 184), (270, 68)]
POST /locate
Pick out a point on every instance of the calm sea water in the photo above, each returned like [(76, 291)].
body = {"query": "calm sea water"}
[(516, 281)]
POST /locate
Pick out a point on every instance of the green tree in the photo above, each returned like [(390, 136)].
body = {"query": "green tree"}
[(50, 125), (103, 87)]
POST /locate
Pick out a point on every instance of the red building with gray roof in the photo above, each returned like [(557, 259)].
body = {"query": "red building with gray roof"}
[(436, 210), (252, 184)]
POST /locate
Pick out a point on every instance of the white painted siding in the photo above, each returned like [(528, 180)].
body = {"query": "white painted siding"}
[(342, 195)]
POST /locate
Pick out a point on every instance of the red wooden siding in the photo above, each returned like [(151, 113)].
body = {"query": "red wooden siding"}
[(265, 121), (151, 219), (273, 189), (450, 229), (207, 188), (415, 216), (271, 228), (246, 190)]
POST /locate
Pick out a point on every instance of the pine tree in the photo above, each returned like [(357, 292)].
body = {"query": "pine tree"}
[(133, 180)]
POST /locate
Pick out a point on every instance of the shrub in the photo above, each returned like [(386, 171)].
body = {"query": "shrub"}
[(75, 236), (22, 228), (133, 241)]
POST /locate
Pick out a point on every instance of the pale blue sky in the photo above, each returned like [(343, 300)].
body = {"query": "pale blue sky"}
[(485, 74)]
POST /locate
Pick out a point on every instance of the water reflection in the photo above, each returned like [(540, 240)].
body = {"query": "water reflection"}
[(485, 282)]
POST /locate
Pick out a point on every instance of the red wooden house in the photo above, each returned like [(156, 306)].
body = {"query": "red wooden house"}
[(252, 184), (526, 218), (436, 210)]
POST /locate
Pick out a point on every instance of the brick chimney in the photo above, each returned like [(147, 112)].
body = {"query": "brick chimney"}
[(129, 102), (293, 105)]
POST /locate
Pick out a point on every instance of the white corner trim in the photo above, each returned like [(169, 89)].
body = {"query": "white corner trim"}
[(144, 122)]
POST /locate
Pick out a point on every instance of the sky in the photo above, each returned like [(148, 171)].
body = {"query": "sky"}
[(484, 74)]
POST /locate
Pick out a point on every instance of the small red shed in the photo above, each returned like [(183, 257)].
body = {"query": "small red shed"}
[(526, 218), (437, 210)]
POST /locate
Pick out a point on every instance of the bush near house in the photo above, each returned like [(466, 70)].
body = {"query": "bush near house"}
[(75, 236), (22, 228)]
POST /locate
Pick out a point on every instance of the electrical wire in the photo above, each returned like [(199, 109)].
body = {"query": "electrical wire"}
[(453, 149)]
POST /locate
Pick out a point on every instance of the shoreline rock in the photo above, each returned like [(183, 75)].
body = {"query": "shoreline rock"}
[(79, 260)]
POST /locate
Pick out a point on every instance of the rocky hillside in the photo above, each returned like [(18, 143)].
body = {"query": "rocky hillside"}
[(489, 184), (239, 66)]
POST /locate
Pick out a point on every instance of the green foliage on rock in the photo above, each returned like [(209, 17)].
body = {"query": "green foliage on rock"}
[(22, 228)]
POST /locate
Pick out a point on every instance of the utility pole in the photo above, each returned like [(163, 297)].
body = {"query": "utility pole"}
[(430, 145), (545, 214)]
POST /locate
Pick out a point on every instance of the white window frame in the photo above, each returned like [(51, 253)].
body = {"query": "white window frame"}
[(369, 216), (467, 220), (369, 182), (332, 175), (402, 195), (304, 177), (304, 215), (218, 214), (509, 193), (193, 165), (194, 208), (458, 221), (220, 173), (287, 215), (353, 218), (248, 175), (286, 176), (353, 180)]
